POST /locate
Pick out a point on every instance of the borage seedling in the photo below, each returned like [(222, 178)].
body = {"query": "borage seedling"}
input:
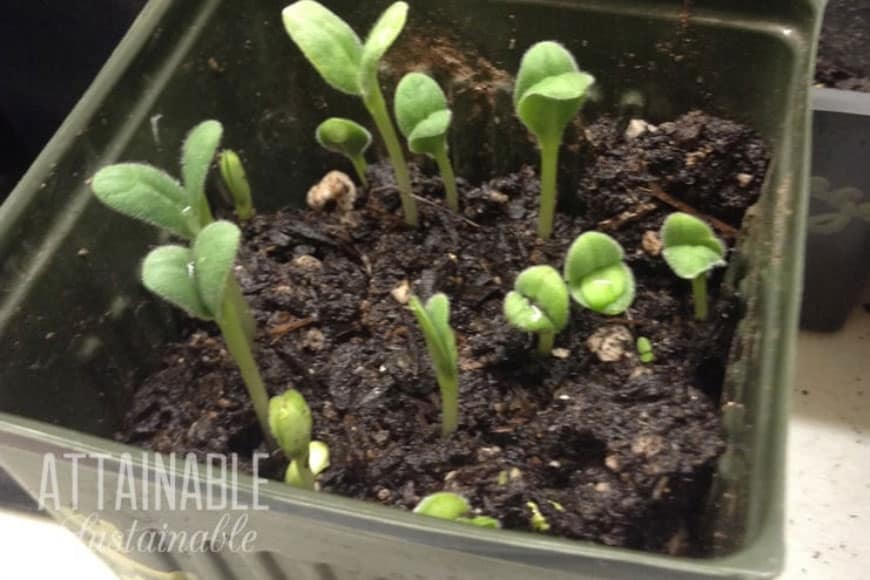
[(549, 91), (234, 177), (645, 350), (145, 193), (691, 249), (290, 425), (350, 66), (347, 138), (539, 304), (450, 506), (197, 279), (434, 321), (597, 276), (424, 117)]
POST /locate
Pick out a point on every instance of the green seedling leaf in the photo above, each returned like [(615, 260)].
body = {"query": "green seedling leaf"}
[(597, 276), (644, 350), (348, 138), (434, 321), (329, 44), (381, 37), (549, 90), (197, 154), (146, 194), (690, 246), (170, 272), (290, 424), (318, 457), (539, 304), (443, 505), (538, 522), (214, 252), (422, 113), (234, 177)]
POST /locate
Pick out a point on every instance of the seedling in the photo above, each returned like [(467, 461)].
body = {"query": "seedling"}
[(234, 177), (537, 520), (549, 91), (645, 350), (350, 66), (434, 321), (597, 276), (348, 138), (197, 280), (538, 303), (450, 506), (424, 117), (692, 250), (290, 425), (145, 193)]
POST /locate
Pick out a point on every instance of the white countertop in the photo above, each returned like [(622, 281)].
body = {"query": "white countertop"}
[(828, 532)]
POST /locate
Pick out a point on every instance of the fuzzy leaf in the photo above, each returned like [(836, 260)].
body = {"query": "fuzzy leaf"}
[(197, 155), (290, 423), (434, 320), (343, 136), (443, 505), (539, 301), (690, 246), (147, 194), (214, 252), (549, 90), (597, 277), (422, 113), (381, 37), (328, 42), (169, 272)]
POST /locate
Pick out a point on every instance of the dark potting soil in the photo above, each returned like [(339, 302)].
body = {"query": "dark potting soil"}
[(844, 46), (612, 450)]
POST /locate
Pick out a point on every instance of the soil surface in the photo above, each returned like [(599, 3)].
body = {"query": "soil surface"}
[(844, 47), (613, 451)]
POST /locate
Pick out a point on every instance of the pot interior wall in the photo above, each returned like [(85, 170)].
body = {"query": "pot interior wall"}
[(75, 323)]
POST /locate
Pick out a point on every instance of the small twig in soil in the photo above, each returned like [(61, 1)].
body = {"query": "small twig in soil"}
[(616, 222), (657, 192), (278, 331)]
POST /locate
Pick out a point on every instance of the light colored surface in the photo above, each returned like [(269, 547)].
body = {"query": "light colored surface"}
[(828, 532)]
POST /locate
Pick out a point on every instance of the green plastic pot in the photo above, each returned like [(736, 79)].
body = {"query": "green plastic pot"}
[(75, 323)]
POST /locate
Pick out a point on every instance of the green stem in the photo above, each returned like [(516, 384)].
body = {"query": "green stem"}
[(239, 348), (449, 387), (549, 169), (204, 211), (545, 342), (246, 318), (298, 473), (360, 165), (699, 295), (378, 108), (448, 177)]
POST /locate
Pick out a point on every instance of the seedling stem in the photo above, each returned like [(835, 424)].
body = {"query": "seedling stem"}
[(699, 295)]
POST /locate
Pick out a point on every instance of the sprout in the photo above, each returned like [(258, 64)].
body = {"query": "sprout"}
[(233, 175), (538, 303), (549, 91), (423, 117), (644, 350), (434, 320), (538, 522), (350, 66), (348, 138), (154, 197), (290, 425), (597, 277), (692, 250), (450, 506), (198, 280)]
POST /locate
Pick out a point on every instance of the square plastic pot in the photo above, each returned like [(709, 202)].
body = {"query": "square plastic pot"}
[(75, 324)]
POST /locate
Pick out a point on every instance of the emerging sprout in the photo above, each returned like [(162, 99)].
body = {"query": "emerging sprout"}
[(692, 250), (423, 117), (350, 66), (538, 522), (538, 303), (348, 138), (154, 197), (233, 175), (434, 321), (450, 506), (549, 91), (644, 350), (597, 277), (290, 425), (197, 280)]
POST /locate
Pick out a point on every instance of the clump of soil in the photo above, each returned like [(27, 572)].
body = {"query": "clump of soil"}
[(610, 449)]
